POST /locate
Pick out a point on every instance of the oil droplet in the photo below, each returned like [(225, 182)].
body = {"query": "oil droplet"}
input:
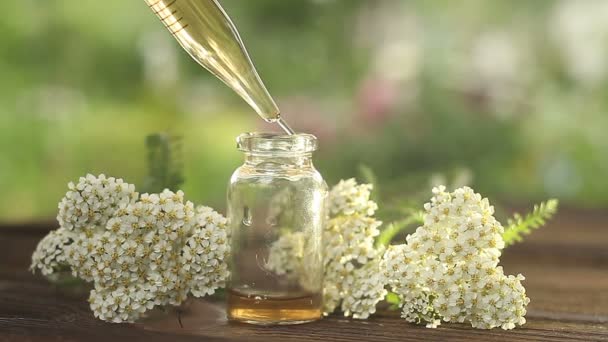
[(247, 216)]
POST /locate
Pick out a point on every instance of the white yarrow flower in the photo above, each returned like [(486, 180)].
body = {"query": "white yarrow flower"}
[(351, 262), (448, 268), (93, 200), (156, 250), (49, 256), (139, 254)]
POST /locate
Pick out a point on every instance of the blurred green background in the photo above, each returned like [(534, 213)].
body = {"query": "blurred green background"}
[(509, 96)]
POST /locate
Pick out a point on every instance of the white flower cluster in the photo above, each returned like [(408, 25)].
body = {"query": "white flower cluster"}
[(362, 289), (448, 270), (156, 249), (205, 253), (286, 255), (348, 198), (352, 273), (139, 253), (352, 276), (294, 256), (92, 201), (49, 256)]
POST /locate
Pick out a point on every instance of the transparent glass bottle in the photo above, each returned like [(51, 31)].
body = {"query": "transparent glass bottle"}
[(276, 208)]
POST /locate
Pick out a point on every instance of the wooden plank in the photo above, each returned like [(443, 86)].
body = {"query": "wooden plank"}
[(38, 310), (34, 227), (565, 264)]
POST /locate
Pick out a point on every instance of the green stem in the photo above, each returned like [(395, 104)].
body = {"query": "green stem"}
[(393, 229)]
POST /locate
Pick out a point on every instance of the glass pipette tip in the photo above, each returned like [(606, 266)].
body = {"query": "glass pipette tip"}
[(285, 126)]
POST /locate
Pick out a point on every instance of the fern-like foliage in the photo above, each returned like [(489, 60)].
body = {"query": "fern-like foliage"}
[(518, 226), (165, 166)]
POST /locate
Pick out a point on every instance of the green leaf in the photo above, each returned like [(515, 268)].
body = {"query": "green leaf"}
[(392, 298), (394, 301), (369, 177), (165, 167), (518, 226)]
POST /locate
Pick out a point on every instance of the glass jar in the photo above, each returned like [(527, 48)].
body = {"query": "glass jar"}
[(276, 209)]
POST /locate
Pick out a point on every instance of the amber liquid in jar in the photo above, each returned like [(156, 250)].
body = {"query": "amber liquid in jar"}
[(269, 309)]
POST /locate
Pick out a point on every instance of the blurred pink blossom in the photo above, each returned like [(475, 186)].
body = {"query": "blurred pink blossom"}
[(377, 100)]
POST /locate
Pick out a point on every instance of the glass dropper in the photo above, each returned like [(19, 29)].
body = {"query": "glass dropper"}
[(285, 126), (205, 31)]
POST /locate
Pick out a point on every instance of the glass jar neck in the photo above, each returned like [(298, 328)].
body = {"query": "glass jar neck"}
[(278, 160)]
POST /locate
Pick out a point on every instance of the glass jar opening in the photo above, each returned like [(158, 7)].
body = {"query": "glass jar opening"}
[(276, 143)]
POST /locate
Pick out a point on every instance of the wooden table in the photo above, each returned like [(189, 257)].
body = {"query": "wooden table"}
[(565, 263)]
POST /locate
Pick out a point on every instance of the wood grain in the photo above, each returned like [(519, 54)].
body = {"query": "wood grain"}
[(565, 264)]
